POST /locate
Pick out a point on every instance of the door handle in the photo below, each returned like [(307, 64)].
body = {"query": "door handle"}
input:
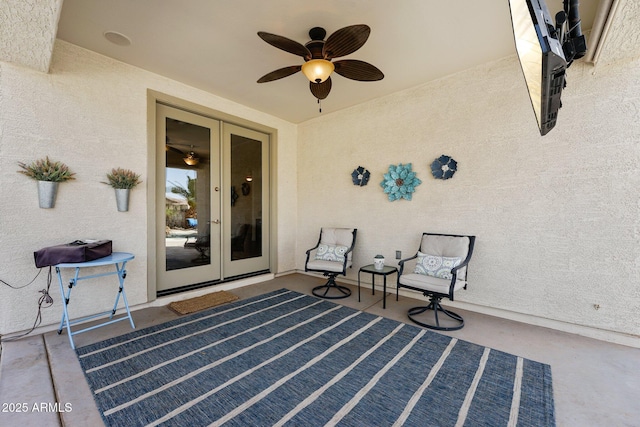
[(216, 221)]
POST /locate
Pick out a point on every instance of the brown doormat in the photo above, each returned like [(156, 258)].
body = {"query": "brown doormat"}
[(200, 303)]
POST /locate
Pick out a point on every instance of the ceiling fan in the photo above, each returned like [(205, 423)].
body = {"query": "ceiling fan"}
[(318, 53), (190, 158)]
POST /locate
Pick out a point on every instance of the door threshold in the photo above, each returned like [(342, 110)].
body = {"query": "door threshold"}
[(201, 285)]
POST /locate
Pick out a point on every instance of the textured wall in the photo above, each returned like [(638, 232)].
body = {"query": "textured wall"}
[(556, 217), (623, 41), (28, 31), (91, 113)]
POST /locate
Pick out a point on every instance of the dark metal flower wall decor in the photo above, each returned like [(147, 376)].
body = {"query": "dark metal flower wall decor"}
[(234, 195), (400, 182), (444, 167), (360, 176)]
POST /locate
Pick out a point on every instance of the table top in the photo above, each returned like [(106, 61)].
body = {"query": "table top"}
[(387, 269), (114, 258)]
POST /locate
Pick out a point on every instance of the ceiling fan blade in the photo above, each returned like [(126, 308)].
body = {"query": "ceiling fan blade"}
[(358, 70), (345, 41), (285, 44), (321, 90), (174, 149), (280, 73)]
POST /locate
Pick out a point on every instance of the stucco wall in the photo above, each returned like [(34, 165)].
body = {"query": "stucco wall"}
[(27, 33), (91, 112), (556, 217)]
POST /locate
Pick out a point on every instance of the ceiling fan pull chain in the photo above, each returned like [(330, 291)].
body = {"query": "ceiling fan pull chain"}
[(319, 106)]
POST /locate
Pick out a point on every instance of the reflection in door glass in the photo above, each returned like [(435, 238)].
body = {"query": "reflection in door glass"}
[(246, 198), (187, 200)]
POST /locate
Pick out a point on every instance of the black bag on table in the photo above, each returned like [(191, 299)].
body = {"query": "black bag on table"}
[(78, 251)]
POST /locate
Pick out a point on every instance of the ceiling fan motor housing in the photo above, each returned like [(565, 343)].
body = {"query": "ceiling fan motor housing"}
[(315, 45), (317, 33)]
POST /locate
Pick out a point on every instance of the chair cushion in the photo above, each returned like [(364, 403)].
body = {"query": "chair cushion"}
[(337, 236), (446, 246), (436, 266), (331, 252), (429, 283), (322, 265)]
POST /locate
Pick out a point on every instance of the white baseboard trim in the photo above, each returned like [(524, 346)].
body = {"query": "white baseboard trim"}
[(572, 328), (286, 273), (585, 331)]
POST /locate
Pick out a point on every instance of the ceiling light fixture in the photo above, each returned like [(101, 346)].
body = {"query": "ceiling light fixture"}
[(191, 159), (117, 38), (317, 70)]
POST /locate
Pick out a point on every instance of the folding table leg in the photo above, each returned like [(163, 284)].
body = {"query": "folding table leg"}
[(122, 274), (120, 289), (65, 302)]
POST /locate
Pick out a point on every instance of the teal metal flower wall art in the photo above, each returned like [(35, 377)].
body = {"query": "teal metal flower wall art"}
[(400, 182), (443, 167), (360, 176)]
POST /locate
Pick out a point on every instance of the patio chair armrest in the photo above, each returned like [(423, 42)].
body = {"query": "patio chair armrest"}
[(309, 252), (402, 261)]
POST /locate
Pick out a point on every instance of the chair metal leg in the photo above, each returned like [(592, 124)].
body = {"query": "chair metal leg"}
[(435, 306), (344, 292)]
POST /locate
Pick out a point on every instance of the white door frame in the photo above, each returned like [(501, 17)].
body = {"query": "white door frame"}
[(155, 97)]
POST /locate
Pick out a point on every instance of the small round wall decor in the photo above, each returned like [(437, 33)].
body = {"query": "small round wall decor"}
[(360, 176), (400, 182), (443, 167)]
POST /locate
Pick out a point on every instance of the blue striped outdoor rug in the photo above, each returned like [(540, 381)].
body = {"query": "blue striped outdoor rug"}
[(285, 358)]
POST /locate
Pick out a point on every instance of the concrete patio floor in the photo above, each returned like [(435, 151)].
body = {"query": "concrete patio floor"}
[(595, 383)]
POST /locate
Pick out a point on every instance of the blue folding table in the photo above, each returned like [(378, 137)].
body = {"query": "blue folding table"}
[(119, 259)]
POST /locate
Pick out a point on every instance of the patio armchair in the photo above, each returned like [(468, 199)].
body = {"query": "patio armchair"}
[(438, 270), (202, 244), (331, 256)]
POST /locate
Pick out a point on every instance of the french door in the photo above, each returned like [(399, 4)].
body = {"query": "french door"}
[(187, 198), (245, 230), (212, 200)]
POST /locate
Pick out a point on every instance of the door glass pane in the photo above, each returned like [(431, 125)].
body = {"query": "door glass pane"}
[(246, 198), (187, 198)]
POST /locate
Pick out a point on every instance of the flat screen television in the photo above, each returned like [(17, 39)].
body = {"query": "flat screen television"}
[(541, 58)]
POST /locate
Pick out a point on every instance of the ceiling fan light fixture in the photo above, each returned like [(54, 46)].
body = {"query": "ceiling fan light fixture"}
[(317, 70), (191, 159)]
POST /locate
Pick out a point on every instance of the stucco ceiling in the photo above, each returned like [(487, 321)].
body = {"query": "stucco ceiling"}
[(213, 44)]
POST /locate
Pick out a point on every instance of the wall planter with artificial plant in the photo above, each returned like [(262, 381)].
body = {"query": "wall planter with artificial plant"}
[(122, 180), (48, 174)]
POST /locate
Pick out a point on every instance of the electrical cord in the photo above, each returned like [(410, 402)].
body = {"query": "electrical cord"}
[(44, 301), (20, 287)]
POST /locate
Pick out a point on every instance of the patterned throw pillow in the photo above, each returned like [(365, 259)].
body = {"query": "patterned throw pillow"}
[(331, 253), (436, 266)]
